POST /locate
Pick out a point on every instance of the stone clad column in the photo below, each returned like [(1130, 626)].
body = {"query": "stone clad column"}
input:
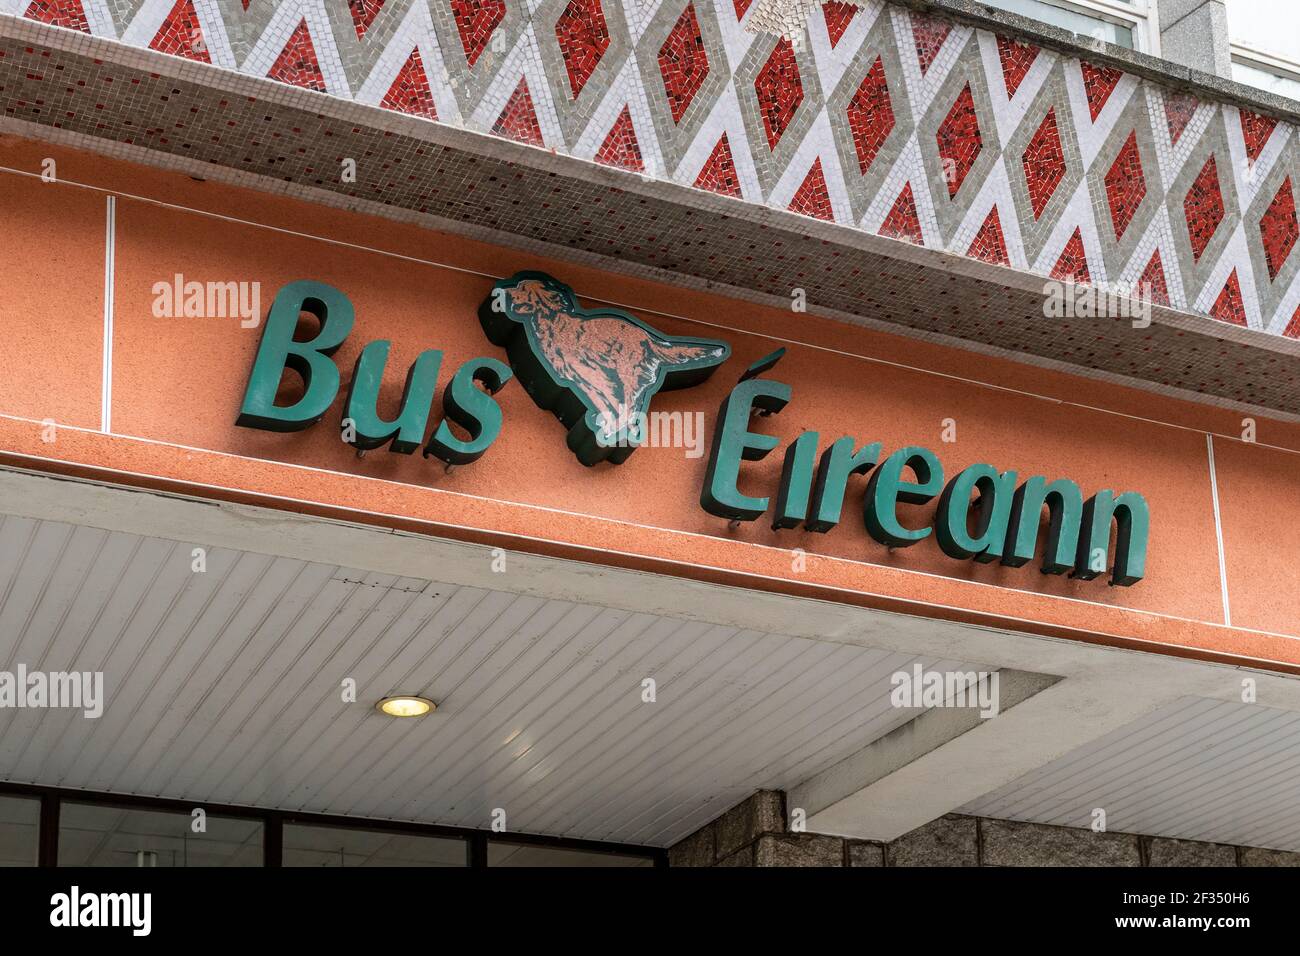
[(1195, 33), (756, 832)]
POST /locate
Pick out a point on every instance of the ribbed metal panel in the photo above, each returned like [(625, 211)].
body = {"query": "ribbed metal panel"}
[(226, 686), (1196, 769)]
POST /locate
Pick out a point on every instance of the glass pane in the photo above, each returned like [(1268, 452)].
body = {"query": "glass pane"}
[(1254, 76), (1080, 23), (20, 819), (340, 846), (519, 854), (93, 835)]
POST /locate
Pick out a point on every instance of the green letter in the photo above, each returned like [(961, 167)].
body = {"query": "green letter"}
[(886, 488), (796, 482), (472, 409), (993, 511), (837, 464), (1065, 503), (362, 406), (733, 441), (1132, 520), (278, 351)]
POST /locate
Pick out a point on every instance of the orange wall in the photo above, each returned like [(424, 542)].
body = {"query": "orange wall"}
[(179, 382)]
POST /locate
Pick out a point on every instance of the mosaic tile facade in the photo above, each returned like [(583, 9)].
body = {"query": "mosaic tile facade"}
[(870, 115)]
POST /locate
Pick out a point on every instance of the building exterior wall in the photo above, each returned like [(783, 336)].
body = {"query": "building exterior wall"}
[(965, 149), (756, 833), (877, 116), (176, 383)]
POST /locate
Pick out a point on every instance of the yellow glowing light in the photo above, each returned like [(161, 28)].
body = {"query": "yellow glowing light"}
[(406, 706)]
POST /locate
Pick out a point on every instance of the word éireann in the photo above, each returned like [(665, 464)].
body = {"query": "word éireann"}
[(983, 514), (464, 403)]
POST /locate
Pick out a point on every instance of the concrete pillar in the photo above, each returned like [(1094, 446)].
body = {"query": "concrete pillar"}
[(1195, 33), (755, 833), (1009, 843), (1161, 851), (951, 840)]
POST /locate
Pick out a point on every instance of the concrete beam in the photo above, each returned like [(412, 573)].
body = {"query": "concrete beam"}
[(950, 756), (930, 730)]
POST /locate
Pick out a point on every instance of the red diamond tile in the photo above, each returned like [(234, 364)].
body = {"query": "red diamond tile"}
[(297, 63), (959, 140), (812, 199), (476, 21), (60, 13), (1255, 130), (1151, 285), (1044, 163), (1292, 330), (838, 16), (1016, 59), (779, 89), (584, 38), (719, 173), (871, 115), (989, 243), (410, 91), (1228, 307), (683, 62), (928, 34), (902, 221), (181, 34), (741, 7), (621, 147), (363, 14), (1073, 264), (1278, 228), (1203, 208), (1179, 109), (518, 120), (1125, 185), (1098, 83)]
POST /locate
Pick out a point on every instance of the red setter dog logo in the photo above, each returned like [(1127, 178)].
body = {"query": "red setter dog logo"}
[(596, 370)]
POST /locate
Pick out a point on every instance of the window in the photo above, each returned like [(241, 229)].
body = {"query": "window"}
[(93, 835), (1126, 23), (339, 846), (1265, 37), (110, 830), (19, 830), (501, 853)]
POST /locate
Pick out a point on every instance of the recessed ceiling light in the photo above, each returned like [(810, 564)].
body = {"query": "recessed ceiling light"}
[(406, 705)]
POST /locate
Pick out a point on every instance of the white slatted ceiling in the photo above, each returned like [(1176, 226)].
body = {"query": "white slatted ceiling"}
[(225, 686), (1196, 769)]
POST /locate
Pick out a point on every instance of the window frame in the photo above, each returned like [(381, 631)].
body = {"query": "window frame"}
[(1249, 55), (1140, 16), (52, 798)]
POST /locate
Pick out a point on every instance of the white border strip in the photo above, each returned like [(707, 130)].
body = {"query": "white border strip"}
[(1218, 530), (110, 255)]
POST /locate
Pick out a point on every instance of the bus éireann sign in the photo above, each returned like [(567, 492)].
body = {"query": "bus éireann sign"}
[(597, 372)]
